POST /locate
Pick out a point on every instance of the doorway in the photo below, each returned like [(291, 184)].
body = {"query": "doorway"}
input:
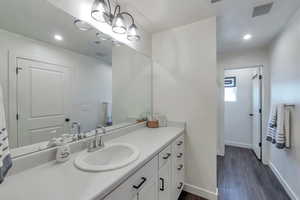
[(243, 108)]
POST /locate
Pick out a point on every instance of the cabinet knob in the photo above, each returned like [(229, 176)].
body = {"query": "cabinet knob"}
[(179, 155), (179, 143), (180, 167), (166, 156)]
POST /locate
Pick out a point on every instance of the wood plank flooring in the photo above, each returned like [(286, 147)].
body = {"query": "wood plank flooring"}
[(188, 196), (242, 177)]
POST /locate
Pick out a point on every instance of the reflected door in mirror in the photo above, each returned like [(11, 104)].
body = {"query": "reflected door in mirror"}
[(43, 101)]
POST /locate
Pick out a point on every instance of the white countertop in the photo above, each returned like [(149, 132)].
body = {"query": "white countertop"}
[(54, 181)]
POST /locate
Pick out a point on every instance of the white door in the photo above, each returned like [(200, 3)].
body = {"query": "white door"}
[(237, 107), (164, 192), (149, 192), (256, 112), (42, 100)]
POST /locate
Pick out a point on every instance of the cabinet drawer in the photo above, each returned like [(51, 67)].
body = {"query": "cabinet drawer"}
[(178, 145), (164, 156), (129, 189)]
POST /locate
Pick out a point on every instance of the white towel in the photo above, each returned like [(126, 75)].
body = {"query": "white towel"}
[(279, 126), (5, 158), (272, 125), (287, 129), (280, 134)]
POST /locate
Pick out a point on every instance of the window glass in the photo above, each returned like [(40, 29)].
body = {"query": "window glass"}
[(230, 89)]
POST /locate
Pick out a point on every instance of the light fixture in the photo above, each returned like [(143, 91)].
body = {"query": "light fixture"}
[(116, 43), (118, 25), (102, 12), (247, 37), (132, 33), (101, 36), (82, 25), (58, 37)]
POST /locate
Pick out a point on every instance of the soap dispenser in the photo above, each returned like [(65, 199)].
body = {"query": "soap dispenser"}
[(63, 150)]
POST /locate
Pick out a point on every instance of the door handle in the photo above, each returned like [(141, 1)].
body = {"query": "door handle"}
[(162, 187), (67, 120), (251, 115), (180, 186), (140, 184)]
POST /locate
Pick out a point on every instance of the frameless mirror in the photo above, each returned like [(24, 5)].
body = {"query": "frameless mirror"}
[(56, 70)]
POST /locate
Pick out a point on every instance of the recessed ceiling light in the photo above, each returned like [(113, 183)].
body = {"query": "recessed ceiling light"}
[(58, 37), (247, 37)]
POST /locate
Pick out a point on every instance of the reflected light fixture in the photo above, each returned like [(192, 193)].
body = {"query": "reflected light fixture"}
[(102, 12), (247, 37), (82, 25), (102, 36), (58, 37)]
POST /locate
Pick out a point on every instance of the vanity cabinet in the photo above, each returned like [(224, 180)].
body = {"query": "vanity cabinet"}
[(178, 166), (162, 178)]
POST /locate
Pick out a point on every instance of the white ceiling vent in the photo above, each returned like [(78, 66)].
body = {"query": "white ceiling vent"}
[(262, 9), (215, 1)]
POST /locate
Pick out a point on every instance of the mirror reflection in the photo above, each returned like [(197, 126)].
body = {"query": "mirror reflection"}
[(61, 76)]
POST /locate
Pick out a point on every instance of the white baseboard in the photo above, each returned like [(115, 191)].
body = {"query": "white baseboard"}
[(201, 192), (283, 182), (238, 144)]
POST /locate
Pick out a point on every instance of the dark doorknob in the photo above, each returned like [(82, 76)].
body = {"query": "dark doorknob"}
[(251, 115), (67, 120)]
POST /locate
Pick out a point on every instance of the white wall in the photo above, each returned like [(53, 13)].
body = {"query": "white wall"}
[(237, 122), (285, 82), (131, 83), (91, 78), (242, 59), (185, 89)]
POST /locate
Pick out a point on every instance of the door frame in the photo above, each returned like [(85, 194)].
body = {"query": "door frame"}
[(13, 101), (263, 99)]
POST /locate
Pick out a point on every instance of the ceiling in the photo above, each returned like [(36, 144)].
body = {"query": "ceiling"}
[(40, 20), (234, 18)]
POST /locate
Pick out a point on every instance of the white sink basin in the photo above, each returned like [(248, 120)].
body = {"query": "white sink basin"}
[(111, 157)]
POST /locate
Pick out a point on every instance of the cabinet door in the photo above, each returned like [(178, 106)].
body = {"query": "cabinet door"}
[(149, 192), (164, 182)]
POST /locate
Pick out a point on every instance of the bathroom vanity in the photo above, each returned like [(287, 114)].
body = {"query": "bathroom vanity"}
[(158, 173)]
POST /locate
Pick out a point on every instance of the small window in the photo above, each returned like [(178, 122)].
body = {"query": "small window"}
[(230, 89)]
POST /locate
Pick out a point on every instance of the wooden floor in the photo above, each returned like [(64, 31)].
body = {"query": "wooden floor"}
[(242, 177), (187, 196)]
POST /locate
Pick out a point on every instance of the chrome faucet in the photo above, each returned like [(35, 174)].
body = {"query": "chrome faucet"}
[(76, 130), (97, 143)]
